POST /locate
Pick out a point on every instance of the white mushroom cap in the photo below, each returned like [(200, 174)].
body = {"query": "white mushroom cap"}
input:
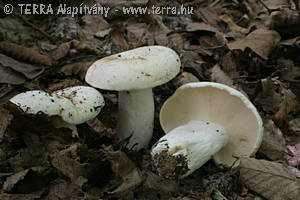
[(74, 104), (191, 145), (140, 68), (32, 102), (220, 104), (79, 104)]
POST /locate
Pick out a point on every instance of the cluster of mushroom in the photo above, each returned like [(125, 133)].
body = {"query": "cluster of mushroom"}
[(201, 120), (73, 105)]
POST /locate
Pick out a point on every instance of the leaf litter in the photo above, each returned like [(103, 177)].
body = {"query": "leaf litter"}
[(249, 45)]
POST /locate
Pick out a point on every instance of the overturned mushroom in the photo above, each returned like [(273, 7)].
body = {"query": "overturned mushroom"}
[(134, 73), (74, 105), (203, 120)]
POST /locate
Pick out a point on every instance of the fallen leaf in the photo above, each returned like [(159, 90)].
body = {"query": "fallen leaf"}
[(126, 169), (232, 26), (219, 76), (184, 78), (269, 179), (66, 162), (285, 21), (64, 28), (14, 179), (208, 15), (276, 99), (288, 70), (62, 50), (294, 126), (99, 127), (261, 41), (61, 189), (277, 4), (193, 62), (273, 144), (10, 76), (30, 71), (25, 54), (138, 34), (291, 42), (293, 155), (196, 26), (33, 196), (76, 69), (38, 178), (294, 171), (95, 25), (15, 30), (288, 104), (5, 118), (118, 36)]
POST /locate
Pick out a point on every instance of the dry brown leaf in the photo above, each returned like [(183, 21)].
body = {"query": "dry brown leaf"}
[(273, 144), (61, 189), (118, 36), (10, 76), (209, 15), (76, 69), (184, 78), (99, 127), (26, 54), (261, 41), (291, 42), (232, 26), (30, 71), (38, 177), (294, 126), (66, 162), (285, 21), (294, 171), (269, 179), (62, 50), (196, 26), (293, 156), (277, 4), (95, 25), (288, 104), (138, 34), (14, 179), (5, 118), (275, 98), (33, 196), (289, 71), (122, 166), (219, 76)]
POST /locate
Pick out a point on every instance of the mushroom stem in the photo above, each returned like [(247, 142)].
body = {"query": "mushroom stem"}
[(136, 116), (59, 123), (186, 148)]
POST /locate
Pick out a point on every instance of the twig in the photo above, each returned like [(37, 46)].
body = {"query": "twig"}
[(32, 25), (35, 27), (264, 5)]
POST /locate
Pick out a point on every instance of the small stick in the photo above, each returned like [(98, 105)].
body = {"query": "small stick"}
[(264, 5), (32, 25)]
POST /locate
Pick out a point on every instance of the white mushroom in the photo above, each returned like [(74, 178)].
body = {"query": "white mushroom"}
[(134, 73), (74, 105), (199, 119)]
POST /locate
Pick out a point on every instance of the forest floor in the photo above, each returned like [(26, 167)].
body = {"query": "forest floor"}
[(252, 46)]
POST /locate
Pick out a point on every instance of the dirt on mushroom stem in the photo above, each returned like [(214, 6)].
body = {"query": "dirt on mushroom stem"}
[(169, 166)]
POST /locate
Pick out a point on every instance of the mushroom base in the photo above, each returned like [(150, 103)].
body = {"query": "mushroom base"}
[(136, 116), (186, 148)]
